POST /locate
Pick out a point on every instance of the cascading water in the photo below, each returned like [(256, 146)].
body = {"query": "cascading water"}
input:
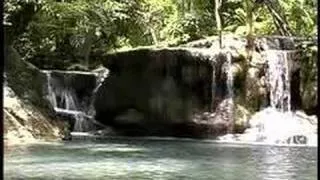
[(223, 109), (64, 101), (279, 79), (277, 124), (101, 77), (230, 85)]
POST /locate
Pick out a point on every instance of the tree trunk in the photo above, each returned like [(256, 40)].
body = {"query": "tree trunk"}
[(280, 20), (87, 47), (218, 20), (154, 37), (280, 23)]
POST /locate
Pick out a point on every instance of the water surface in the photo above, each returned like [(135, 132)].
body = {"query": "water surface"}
[(125, 158)]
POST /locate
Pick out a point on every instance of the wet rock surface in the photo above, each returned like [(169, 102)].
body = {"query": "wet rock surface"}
[(173, 86), (161, 89), (180, 91)]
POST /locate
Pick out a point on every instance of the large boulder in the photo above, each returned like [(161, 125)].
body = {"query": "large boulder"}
[(308, 82), (157, 92), (27, 114), (25, 79), (161, 90), (24, 123)]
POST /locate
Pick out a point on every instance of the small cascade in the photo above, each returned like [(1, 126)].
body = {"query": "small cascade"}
[(277, 124), (224, 109), (51, 94), (226, 69), (102, 74), (213, 85), (64, 101), (101, 77), (230, 85), (279, 79)]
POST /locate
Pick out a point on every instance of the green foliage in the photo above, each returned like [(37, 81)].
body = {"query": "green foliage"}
[(302, 15), (73, 30)]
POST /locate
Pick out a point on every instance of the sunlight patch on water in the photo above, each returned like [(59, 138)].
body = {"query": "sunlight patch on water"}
[(118, 149)]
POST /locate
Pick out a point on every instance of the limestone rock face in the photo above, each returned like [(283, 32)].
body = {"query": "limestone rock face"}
[(167, 89), (24, 123), (182, 91), (25, 79), (309, 84), (241, 119), (158, 91), (27, 116)]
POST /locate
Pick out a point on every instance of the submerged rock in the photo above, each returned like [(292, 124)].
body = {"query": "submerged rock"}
[(297, 139)]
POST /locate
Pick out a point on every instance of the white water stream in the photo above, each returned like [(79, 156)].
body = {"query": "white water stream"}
[(64, 101), (277, 124)]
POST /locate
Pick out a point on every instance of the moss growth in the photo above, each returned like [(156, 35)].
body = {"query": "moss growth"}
[(25, 79), (242, 116), (308, 86)]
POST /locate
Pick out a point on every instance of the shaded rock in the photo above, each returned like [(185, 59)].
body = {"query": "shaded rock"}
[(25, 79), (297, 139), (241, 119), (256, 90), (308, 83), (27, 115), (164, 85), (128, 117)]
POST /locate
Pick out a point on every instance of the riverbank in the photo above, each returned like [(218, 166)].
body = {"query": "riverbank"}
[(26, 124)]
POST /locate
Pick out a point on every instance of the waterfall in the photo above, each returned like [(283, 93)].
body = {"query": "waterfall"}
[(278, 80), (64, 101), (223, 106), (51, 94), (213, 86), (227, 70), (101, 77), (230, 87), (278, 124), (278, 74)]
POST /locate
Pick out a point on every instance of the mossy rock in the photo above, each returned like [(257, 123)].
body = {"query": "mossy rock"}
[(308, 86), (25, 79), (241, 118)]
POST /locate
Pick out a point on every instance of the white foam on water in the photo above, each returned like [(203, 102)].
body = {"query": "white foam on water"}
[(277, 124), (271, 126)]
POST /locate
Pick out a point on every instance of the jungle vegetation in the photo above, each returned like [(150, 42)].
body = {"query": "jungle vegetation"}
[(65, 32)]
